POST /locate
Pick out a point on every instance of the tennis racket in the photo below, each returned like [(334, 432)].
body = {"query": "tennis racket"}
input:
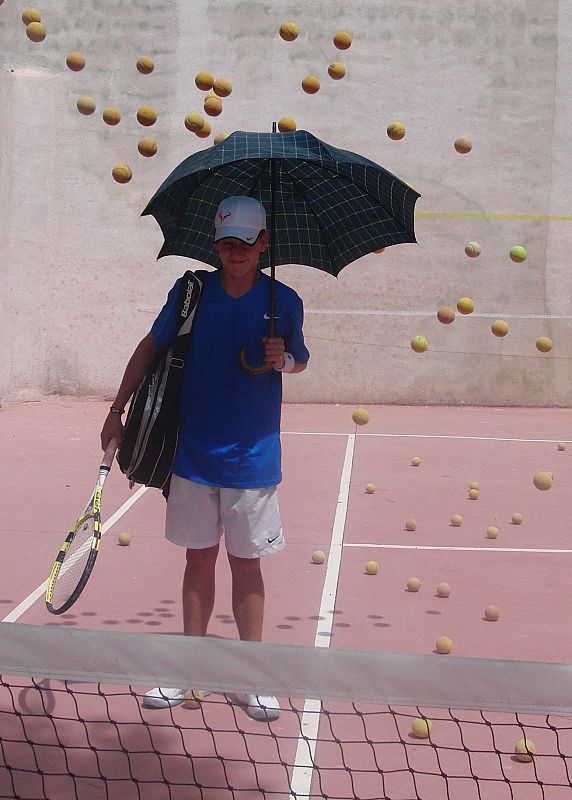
[(76, 558)]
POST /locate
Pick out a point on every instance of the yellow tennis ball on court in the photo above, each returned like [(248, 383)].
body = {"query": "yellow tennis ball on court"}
[(342, 40), (192, 699), (147, 146), (30, 15), (289, 31), (410, 525), (121, 173), (220, 137), (286, 124), (518, 254), (396, 130), (456, 520), (370, 488), (204, 81), (463, 145), (500, 327), (524, 750), (111, 115), (544, 344), (145, 65), (465, 305), (473, 494), (443, 589), (146, 115), (371, 567), (443, 645), (474, 485), (124, 539), (419, 344), (446, 315), (561, 446), (311, 84), (36, 32), (413, 585), (85, 105), (336, 70), (415, 461), (360, 416), (194, 121), (205, 131), (75, 61), (222, 87), (517, 519), (318, 557), (543, 480), (421, 728), (212, 105), (473, 249), (492, 532), (492, 613)]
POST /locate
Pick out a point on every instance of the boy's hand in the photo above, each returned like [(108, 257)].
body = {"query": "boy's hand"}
[(274, 352)]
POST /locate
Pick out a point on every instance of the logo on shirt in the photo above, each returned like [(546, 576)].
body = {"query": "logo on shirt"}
[(267, 316)]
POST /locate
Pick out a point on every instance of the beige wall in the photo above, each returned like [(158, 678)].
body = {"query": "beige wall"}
[(80, 283)]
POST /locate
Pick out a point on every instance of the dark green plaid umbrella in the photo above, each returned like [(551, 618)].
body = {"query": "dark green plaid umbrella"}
[(330, 206)]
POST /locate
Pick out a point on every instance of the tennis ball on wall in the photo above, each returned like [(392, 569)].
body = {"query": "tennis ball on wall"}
[(443, 645), (30, 15), (121, 173), (124, 539), (360, 416), (543, 480), (463, 145), (336, 70), (473, 249), (75, 61), (205, 131), (220, 137), (318, 557), (145, 65), (544, 344), (147, 146), (413, 585), (500, 327), (289, 31), (492, 613), (111, 115), (465, 305), (85, 105), (371, 567), (36, 32), (456, 520), (311, 84), (204, 81), (518, 254), (212, 105), (446, 315), (286, 124), (524, 750), (342, 40), (492, 532), (419, 344), (443, 590), (194, 121), (370, 488), (421, 728), (222, 87), (396, 130), (146, 115)]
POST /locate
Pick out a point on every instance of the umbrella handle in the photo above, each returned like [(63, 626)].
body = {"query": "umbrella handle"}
[(246, 366)]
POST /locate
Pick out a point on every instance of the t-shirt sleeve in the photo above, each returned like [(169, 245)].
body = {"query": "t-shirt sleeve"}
[(164, 329), (294, 339)]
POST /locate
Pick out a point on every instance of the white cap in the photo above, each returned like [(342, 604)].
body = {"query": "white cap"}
[(240, 217)]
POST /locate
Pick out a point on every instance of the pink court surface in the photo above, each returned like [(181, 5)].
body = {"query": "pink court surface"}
[(50, 459)]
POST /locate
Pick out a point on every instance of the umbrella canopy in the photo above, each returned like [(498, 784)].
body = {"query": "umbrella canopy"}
[(331, 206)]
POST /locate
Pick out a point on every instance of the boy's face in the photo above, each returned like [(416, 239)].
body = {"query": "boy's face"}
[(238, 258)]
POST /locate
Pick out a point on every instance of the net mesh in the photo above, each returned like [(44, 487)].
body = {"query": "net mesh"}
[(344, 731)]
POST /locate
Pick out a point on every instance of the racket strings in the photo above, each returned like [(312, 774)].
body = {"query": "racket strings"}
[(75, 561)]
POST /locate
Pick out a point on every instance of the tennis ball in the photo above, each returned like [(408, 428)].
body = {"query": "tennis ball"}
[(474, 485), (419, 344), (492, 613), (204, 81), (421, 728), (121, 173), (85, 105), (465, 305), (336, 70), (145, 65), (517, 519), (192, 699), (311, 84), (111, 115), (205, 131), (456, 520), (561, 446), (222, 87), (289, 31), (360, 416), (124, 539), (443, 645), (318, 557), (473, 494), (524, 750), (146, 115), (443, 590), (147, 146), (518, 254), (194, 121), (410, 525), (75, 61), (463, 145), (30, 15), (212, 105), (544, 344), (286, 124), (396, 130), (543, 481), (371, 567), (370, 488), (500, 327), (36, 32), (415, 461), (220, 137), (492, 532), (473, 249), (446, 315), (413, 585), (342, 40)]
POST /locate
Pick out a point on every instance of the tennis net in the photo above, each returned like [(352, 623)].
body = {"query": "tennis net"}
[(72, 723)]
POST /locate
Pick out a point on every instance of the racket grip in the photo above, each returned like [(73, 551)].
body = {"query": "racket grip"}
[(109, 453)]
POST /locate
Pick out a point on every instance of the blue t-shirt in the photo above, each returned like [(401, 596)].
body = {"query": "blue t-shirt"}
[(229, 419)]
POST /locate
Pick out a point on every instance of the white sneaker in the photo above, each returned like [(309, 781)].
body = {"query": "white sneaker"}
[(263, 708), (163, 698)]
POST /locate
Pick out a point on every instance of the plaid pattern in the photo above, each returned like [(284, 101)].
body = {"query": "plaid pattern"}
[(332, 206)]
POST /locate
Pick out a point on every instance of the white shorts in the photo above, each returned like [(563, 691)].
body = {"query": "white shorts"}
[(198, 514)]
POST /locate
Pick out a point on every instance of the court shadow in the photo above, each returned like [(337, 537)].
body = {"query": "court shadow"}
[(433, 612)]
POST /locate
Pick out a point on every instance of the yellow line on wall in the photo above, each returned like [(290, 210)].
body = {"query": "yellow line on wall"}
[(468, 215)]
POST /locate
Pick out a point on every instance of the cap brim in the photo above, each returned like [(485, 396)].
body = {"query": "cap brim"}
[(247, 236)]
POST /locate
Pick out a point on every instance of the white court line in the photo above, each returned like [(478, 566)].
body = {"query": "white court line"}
[(301, 780), (20, 609), (459, 549), (432, 436)]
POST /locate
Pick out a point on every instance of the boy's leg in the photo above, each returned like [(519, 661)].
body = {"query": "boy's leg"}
[(247, 597), (199, 590)]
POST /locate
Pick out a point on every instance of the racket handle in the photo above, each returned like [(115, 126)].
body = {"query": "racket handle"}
[(109, 453)]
